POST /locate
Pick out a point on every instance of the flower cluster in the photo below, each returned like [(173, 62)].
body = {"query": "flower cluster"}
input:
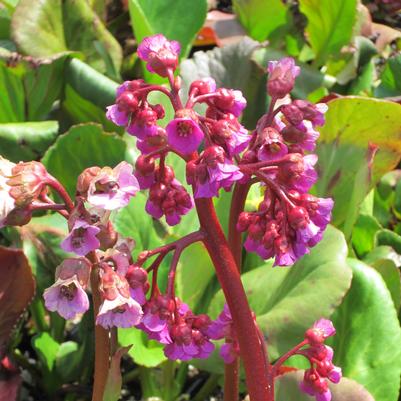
[(320, 357)]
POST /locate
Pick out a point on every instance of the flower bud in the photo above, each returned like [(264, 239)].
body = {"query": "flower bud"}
[(292, 113), (27, 182), (282, 76), (85, 178), (203, 86), (127, 102)]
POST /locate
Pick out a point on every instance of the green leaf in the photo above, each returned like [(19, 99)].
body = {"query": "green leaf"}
[(46, 348), (330, 25), (382, 252), (368, 310), (68, 361), (62, 26), (391, 275), (261, 18), (287, 388), (12, 103), (26, 141), (82, 146), (194, 273), (390, 83), (231, 67), (354, 127), (91, 84), (172, 18), (387, 237), (144, 352), (287, 301), (363, 234)]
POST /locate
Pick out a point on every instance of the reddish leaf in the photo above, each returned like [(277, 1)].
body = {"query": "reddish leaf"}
[(17, 288)]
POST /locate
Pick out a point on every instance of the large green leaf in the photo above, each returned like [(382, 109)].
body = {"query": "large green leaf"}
[(62, 26), (367, 343), (144, 352), (354, 127), (12, 103), (26, 141), (287, 389), (82, 146), (330, 25), (287, 301), (232, 67), (172, 18), (363, 234), (261, 18)]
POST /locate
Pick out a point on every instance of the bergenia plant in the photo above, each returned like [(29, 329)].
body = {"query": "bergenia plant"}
[(220, 155)]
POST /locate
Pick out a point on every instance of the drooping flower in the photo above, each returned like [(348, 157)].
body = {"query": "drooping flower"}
[(67, 295), (160, 54), (119, 312), (184, 133), (282, 76), (112, 189), (82, 238), (229, 101), (212, 171), (169, 199)]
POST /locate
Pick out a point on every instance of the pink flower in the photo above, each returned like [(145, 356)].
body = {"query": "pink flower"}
[(203, 86), (315, 386), (7, 202), (82, 238), (119, 312), (67, 298), (67, 295), (112, 189), (184, 133), (282, 76), (160, 54), (320, 331)]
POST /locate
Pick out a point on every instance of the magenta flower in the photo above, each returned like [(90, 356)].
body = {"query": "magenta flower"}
[(272, 146), (320, 331), (67, 295), (229, 101), (222, 326), (203, 86), (282, 76), (185, 350), (170, 200), (119, 312), (315, 386), (82, 238), (112, 189), (231, 135), (184, 134), (160, 54), (229, 352)]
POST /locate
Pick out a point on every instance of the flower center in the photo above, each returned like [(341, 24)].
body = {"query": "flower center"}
[(68, 291), (184, 128)]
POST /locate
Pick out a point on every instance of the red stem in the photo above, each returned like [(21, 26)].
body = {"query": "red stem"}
[(102, 342), (286, 356), (230, 281), (55, 184)]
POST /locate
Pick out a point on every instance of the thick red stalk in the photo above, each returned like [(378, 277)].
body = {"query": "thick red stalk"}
[(230, 281), (102, 341)]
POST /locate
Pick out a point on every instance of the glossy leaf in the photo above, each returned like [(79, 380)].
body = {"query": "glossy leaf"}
[(26, 141), (172, 18), (368, 311), (261, 18), (387, 237), (144, 352), (12, 105), (231, 67), (354, 128), (390, 83), (82, 146), (363, 234), (62, 26), (391, 275), (287, 388), (46, 348), (17, 288), (287, 301), (330, 25)]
